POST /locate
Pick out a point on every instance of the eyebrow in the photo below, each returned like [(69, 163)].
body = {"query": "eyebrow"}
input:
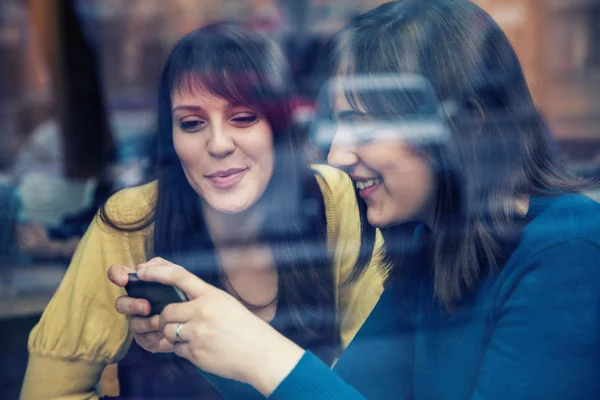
[(198, 108), (350, 114), (187, 108)]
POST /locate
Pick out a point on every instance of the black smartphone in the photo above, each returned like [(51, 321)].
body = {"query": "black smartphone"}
[(157, 294)]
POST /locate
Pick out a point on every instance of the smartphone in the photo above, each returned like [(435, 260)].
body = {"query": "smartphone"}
[(157, 294)]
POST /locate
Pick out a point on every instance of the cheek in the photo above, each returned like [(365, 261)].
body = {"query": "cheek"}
[(187, 150), (411, 184), (266, 164), (261, 148), (178, 144)]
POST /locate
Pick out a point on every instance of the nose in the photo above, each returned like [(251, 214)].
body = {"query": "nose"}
[(220, 144), (342, 155)]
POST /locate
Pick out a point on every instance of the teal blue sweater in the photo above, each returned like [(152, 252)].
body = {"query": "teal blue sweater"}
[(530, 332)]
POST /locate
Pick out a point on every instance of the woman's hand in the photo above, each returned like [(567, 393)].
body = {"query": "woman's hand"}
[(218, 334), (145, 329)]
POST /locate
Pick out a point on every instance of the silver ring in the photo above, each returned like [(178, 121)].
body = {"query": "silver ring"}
[(178, 332)]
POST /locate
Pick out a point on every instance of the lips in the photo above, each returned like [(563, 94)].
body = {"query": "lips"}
[(226, 179), (366, 186)]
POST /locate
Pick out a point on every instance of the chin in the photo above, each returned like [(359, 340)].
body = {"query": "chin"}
[(231, 205), (380, 220), (231, 209), (377, 221)]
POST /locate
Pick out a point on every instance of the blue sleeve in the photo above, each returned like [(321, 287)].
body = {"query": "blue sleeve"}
[(377, 364), (546, 343), (231, 389), (312, 379)]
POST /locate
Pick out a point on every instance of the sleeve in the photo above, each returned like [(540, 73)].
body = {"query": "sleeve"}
[(382, 348), (80, 332), (356, 301), (546, 344), (312, 379)]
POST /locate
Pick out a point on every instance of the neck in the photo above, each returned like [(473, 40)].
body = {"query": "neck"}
[(247, 267), (240, 228)]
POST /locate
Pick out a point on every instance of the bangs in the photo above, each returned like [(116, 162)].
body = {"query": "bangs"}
[(239, 90), (407, 103), (391, 97), (382, 75), (240, 70)]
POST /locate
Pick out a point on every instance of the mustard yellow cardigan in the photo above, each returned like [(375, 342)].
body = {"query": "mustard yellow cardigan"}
[(80, 332)]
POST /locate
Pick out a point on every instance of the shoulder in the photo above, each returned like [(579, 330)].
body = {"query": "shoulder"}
[(331, 175), (339, 199), (130, 205), (560, 249), (336, 186), (571, 218)]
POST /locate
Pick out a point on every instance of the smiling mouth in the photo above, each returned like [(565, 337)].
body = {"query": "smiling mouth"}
[(366, 187), (361, 185), (228, 179)]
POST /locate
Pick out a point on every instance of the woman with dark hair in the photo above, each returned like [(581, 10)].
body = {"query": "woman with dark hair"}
[(235, 204), (493, 289)]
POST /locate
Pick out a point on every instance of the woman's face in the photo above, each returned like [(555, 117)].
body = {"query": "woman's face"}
[(396, 182), (226, 150)]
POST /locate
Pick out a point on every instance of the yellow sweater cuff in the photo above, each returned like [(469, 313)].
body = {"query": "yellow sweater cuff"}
[(60, 379)]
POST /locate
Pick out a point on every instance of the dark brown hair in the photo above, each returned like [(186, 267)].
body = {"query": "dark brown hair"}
[(489, 162), (233, 61)]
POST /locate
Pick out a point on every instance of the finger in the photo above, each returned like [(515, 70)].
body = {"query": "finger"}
[(144, 324), (153, 342), (179, 312), (129, 306), (184, 350), (149, 341), (164, 346), (174, 275), (154, 261), (118, 274), (170, 333)]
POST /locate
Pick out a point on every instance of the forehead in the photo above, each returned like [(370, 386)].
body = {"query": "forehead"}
[(379, 88), (210, 90), (337, 96), (340, 103), (200, 98)]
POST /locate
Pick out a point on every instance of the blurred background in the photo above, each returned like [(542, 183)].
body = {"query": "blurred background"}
[(77, 92)]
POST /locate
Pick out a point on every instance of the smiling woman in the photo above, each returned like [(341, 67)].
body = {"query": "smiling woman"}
[(226, 150), (234, 204)]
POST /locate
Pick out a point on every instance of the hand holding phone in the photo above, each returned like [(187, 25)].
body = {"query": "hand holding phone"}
[(157, 294)]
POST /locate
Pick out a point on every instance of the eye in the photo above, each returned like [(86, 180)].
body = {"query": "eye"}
[(244, 120), (362, 137), (191, 125), (361, 132)]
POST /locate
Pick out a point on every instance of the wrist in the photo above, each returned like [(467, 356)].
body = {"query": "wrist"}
[(274, 362)]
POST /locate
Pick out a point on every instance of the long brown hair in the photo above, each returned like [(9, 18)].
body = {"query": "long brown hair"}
[(500, 147), (237, 63)]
